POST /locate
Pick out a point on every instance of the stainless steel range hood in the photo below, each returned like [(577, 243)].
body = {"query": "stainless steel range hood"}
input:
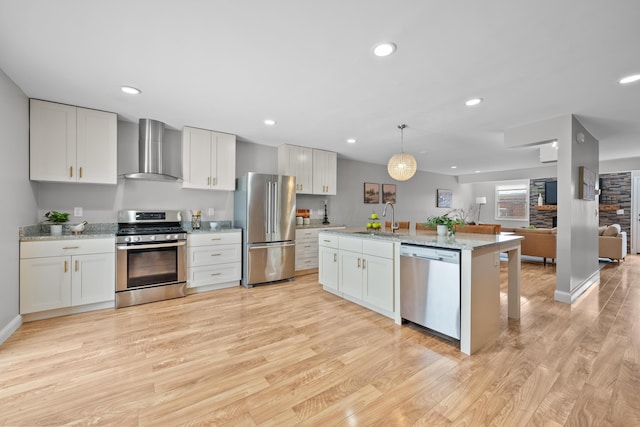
[(150, 153)]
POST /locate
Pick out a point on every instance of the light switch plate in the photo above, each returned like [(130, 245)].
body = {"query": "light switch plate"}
[(211, 211), (77, 211)]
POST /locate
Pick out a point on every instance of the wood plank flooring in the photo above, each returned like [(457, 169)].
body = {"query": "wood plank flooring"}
[(292, 354)]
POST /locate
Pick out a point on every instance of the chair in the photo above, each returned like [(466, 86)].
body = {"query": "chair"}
[(479, 228), (401, 224)]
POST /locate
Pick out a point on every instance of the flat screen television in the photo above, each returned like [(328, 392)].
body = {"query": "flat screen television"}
[(551, 193)]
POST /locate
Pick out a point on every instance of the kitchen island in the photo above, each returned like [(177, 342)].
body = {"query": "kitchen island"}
[(379, 262)]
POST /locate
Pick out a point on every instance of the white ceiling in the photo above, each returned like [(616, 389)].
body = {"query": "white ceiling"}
[(228, 65)]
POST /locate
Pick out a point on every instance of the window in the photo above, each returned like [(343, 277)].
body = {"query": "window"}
[(512, 202)]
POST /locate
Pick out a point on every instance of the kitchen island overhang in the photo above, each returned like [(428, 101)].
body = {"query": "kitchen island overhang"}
[(479, 278)]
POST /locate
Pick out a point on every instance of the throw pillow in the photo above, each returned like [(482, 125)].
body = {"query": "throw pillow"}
[(612, 230), (601, 230)]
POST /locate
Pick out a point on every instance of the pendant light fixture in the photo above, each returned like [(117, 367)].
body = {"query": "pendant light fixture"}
[(402, 166)]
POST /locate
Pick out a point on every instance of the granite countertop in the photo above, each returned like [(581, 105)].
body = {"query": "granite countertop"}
[(317, 225), (461, 241), (41, 232)]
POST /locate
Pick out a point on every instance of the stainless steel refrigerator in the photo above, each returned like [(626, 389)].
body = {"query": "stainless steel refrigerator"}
[(265, 209)]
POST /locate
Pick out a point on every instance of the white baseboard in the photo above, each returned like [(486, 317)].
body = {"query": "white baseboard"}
[(10, 328), (571, 297)]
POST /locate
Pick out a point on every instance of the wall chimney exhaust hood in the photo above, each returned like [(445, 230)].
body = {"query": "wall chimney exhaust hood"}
[(150, 153)]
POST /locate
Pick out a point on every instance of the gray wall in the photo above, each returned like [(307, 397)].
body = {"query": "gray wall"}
[(17, 193), (415, 199)]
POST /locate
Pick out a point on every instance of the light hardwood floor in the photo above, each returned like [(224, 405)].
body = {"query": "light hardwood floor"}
[(290, 353)]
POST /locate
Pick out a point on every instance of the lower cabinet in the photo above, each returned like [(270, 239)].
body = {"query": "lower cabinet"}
[(360, 269), (328, 272), (215, 260), (307, 249), (59, 274)]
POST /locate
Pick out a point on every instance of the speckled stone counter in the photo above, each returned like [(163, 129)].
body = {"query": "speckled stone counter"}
[(41, 232)]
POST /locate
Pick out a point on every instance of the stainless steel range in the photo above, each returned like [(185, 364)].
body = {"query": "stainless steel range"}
[(150, 257)]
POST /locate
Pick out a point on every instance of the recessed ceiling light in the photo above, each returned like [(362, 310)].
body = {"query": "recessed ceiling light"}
[(477, 171), (630, 79), (269, 122), (384, 49), (473, 101), (453, 167), (351, 141), (130, 90)]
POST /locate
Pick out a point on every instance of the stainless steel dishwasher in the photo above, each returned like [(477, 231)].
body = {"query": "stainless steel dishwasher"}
[(430, 288)]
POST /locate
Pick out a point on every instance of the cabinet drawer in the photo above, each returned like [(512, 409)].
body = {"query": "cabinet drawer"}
[(310, 233), (306, 248), (304, 263), (212, 255), (66, 247), (211, 275), (206, 239), (377, 248), (328, 240)]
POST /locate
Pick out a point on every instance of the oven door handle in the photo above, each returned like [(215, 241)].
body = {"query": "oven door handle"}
[(152, 246)]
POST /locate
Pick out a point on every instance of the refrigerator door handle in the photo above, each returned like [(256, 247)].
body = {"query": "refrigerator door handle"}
[(269, 207), (286, 245), (276, 206)]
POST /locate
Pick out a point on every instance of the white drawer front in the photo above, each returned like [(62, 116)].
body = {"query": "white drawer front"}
[(353, 244), (305, 248), (211, 275), (304, 263), (51, 248), (211, 255), (329, 240), (307, 233), (206, 239)]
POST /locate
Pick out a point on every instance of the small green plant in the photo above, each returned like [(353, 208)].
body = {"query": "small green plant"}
[(56, 217), (531, 226), (445, 219)]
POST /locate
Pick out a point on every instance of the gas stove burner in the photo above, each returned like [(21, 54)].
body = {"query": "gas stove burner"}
[(149, 226), (127, 230)]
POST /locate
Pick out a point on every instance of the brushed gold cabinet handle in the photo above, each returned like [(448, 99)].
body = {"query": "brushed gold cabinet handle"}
[(80, 171), (364, 264), (77, 267), (70, 171), (215, 274), (216, 238), (215, 181), (216, 254), (358, 262), (335, 257), (328, 241), (65, 266), (70, 247)]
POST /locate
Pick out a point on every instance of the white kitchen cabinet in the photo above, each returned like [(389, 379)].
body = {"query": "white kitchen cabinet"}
[(66, 273), (215, 260), (297, 161), (328, 272), (72, 144), (325, 170), (366, 272), (315, 170), (306, 249), (208, 159)]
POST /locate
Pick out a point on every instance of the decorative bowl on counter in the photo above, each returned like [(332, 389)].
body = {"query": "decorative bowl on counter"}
[(78, 228)]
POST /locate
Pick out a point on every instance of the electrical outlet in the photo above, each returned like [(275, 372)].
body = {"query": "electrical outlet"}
[(77, 211), (211, 212)]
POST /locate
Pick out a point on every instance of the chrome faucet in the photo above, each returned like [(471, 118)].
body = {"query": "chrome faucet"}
[(393, 216)]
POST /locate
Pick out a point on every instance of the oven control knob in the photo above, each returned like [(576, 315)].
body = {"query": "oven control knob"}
[(135, 239), (168, 237), (127, 239), (152, 237)]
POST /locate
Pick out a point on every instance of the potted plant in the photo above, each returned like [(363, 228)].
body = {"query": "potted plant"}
[(444, 224), (56, 219)]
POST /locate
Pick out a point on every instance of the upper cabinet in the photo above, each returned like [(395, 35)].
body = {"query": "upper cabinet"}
[(325, 165), (208, 159), (72, 144), (297, 161), (315, 170)]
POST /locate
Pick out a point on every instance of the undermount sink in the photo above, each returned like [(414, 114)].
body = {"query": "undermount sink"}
[(376, 233)]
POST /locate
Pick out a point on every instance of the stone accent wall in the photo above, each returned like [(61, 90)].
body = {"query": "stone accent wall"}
[(539, 218), (616, 190)]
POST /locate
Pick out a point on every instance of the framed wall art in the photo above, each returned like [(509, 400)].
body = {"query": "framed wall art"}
[(371, 192), (444, 198), (388, 193), (586, 184)]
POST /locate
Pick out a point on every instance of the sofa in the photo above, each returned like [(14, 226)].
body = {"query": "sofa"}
[(612, 243), (541, 242), (538, 242)]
